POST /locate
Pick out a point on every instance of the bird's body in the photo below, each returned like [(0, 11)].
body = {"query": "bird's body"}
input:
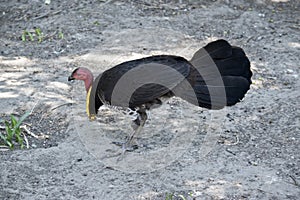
[(147, 69), (218, 75)]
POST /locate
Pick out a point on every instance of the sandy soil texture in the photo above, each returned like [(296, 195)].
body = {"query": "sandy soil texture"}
[(248, 151)]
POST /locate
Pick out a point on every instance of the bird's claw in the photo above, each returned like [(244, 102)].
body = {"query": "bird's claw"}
[(125, 147), (128, 145), (118, 143)]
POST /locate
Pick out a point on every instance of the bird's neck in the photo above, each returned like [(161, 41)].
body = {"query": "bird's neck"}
[(89, 81)]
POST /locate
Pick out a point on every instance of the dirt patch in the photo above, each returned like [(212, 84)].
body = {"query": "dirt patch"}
[(250, 152)]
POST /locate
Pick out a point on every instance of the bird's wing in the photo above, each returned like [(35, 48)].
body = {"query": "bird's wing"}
[(140, 81)]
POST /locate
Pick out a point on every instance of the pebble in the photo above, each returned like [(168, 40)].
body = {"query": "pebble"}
[(5, 52), (259, 38)]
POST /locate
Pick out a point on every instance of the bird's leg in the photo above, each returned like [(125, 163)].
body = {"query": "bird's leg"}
[(137, 125), (138, 128)]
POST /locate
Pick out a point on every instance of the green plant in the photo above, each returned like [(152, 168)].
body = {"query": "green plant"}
[(96, 23), (25, 34), (169, 196), (182, 197), (60, 35), (13, 131), (30, 35), (39, 34)]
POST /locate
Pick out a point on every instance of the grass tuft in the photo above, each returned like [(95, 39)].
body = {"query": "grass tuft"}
[(13, 133)]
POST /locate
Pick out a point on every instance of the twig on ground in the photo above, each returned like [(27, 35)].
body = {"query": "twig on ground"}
[(42, 117), (50, 35), (32, 134), (250, 38), (54, 108), (237, 140), (47, 14), (229, 151), (4, 148), (31, 111), (26, 141), (65, 104), (295, 182)]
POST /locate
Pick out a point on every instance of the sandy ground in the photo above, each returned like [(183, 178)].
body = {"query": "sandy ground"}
[(249, 151)]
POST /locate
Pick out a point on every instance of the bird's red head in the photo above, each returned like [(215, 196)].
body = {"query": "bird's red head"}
[(83, 74)]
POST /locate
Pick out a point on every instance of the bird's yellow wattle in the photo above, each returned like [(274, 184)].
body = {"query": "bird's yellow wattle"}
[(91, 117)]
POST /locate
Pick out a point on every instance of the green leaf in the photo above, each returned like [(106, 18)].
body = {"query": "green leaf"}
[(7, 141), (38, 31), (96, 23), (30, 35), (3, 137), (60, 35), (169, 196), (9, 132), (19, 139), (14, 121), (22, 118), (182, 197), (10, 144), (24, 36)]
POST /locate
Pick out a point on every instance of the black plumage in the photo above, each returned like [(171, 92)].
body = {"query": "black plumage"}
[(217, 65), (143, 76), (218, 75)]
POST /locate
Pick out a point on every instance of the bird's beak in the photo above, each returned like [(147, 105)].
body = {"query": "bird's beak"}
[(71, 78)]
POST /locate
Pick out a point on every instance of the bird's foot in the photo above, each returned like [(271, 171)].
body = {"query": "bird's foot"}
[(126, 146)]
